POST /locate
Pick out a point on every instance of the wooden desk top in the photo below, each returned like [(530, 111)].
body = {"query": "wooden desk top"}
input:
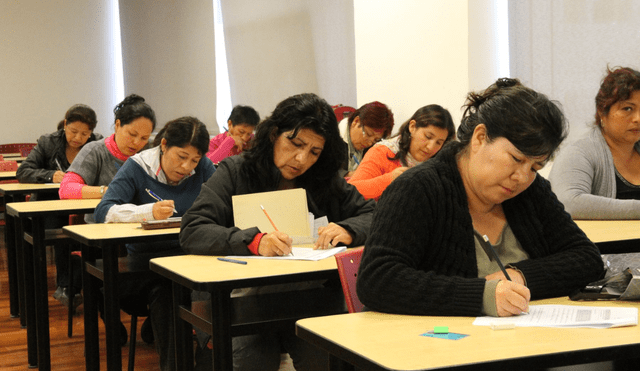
[(43, 208), (393, 342), (610, 230), (101, 234), (7, 175), (195, 271), (26, 187)]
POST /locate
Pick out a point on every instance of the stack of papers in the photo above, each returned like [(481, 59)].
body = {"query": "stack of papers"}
[(567, 316), (300, 253)]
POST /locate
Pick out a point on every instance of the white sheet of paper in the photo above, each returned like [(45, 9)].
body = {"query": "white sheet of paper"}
[(568, 316), (300, 253)]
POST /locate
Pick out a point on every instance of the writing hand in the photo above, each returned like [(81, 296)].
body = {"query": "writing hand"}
[(331, 236), (57, 176), (397, 171), (163, 209), (275, 244), (512, 298)]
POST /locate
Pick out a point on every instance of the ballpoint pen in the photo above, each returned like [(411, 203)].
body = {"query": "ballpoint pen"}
[(58, 164), (355, 159), (271, 221), (233, 261), (157, 198), (495, 256)]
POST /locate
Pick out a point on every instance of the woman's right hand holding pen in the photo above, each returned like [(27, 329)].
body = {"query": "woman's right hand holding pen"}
[(275, 244), (57, 176), (163, 209), (512, 298)]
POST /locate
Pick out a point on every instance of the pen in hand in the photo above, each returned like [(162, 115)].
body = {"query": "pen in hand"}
[(157, 198), (58, 164), (495, 256), (271, 221)]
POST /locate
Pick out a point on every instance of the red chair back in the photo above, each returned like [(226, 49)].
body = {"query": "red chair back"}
[(342, 111), (8, 165), (22, 148), (348, 263)]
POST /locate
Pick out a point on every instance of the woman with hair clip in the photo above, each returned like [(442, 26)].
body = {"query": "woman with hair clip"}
[(298, 146), (47, 163), (174, 171), (426, 253), (418, 139), (365, 127), (97, 163)]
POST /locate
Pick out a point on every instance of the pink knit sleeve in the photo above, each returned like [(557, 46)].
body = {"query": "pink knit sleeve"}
[(71, 186), (222, 151)]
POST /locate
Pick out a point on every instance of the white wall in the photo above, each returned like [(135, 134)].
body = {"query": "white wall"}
[(169, 57), (54, 54), (411, 53), (278, 48)]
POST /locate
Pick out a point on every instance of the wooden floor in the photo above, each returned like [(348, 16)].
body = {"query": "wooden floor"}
[(66, 353)]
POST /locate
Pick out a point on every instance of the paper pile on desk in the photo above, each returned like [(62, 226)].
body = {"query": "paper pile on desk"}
[(568, 316)]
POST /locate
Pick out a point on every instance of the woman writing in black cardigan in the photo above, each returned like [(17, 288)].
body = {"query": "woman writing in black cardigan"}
[(426, 253)]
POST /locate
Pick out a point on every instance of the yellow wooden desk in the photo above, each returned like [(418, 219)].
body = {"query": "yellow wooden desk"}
[(107, 237), (16, 192), (234, 316), (35, 268), (7, 175), (378, 341), (613, 236)]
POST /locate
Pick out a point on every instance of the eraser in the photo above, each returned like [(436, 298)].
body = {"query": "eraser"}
[(441, 330), (503, 326)]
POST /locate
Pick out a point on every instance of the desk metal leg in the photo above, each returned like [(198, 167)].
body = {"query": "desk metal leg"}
[(20, 255), (112, 309), (182, 329), (41, 293), (221, 326), (12, 262), (29, 306), (91, 292)]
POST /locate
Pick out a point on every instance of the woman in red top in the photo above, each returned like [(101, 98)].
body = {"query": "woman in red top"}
[(418, 139)]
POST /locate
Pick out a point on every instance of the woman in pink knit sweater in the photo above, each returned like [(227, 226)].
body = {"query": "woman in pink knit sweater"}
[(418, 139)]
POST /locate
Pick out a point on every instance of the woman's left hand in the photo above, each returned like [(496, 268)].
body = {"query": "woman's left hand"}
[(331, 235)]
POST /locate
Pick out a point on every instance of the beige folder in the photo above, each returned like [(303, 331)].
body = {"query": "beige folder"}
[(288, 210)]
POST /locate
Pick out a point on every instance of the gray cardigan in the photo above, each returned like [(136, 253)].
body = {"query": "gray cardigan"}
[(584, 179)]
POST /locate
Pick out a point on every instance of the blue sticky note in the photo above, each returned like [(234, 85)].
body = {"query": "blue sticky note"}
[(449, 336)]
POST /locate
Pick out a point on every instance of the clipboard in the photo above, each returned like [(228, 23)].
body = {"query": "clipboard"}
[(287, 208)]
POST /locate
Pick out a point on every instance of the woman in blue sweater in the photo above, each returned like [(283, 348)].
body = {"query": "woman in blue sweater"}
[(174, 172)]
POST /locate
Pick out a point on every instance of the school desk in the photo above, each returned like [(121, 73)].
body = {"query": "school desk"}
[(378, 341), (107, 237), (613, 236), (7, 175), (243, 315), (16, 192), (34, 268)]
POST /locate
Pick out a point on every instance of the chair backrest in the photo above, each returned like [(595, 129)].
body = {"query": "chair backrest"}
[(348, 263), (8, 165), (342, 111), (22, 148)]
